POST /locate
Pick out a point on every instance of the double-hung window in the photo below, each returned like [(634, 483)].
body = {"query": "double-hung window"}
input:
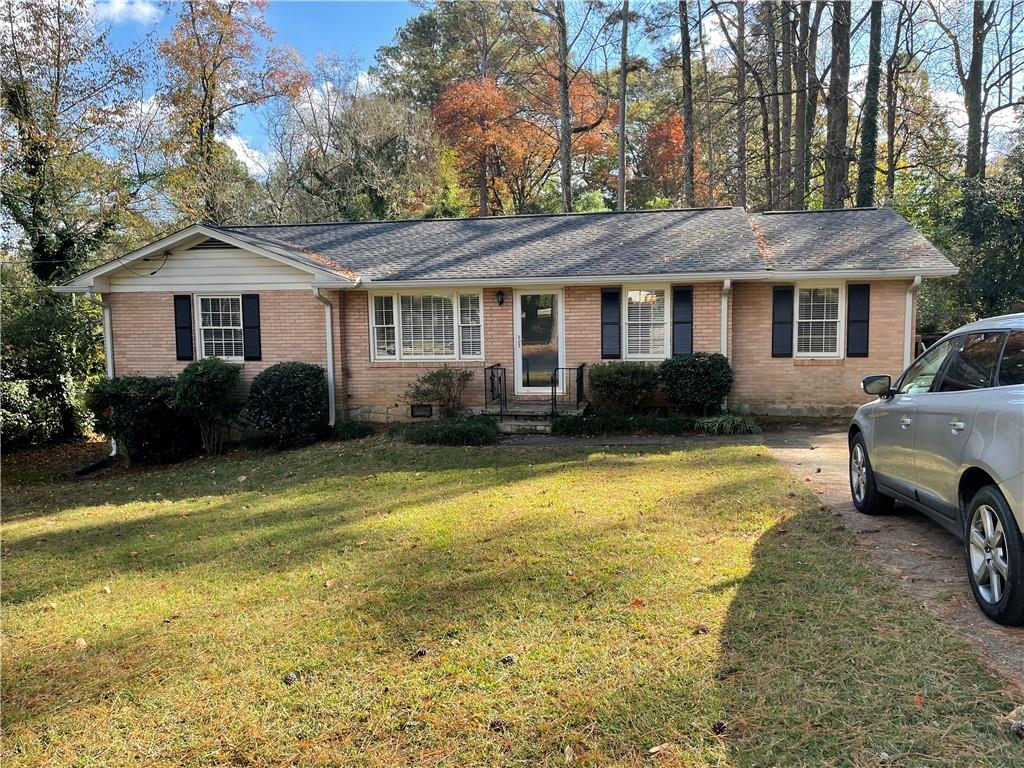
[(818, 321), (220, 327), (420, 326), (646, 323)]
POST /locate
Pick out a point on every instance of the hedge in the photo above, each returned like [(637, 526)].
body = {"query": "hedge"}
[(288, 402), (623, 388), (472, 430), (697, 383), (599, 425)]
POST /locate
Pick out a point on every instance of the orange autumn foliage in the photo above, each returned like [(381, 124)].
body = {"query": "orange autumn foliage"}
[(662, 158)]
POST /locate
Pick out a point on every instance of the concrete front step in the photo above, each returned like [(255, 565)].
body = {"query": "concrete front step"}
[(524, 427)]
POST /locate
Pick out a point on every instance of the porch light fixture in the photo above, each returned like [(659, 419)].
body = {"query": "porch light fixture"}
[(500, 296)]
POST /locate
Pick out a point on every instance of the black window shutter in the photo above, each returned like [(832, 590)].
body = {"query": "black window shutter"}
[(782, 321), (682, 320), (184, 339), (858, 308), (251, 326), (611, 323)]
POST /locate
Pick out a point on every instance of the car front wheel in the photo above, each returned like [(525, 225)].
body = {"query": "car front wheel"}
[(994, 552), (866, 497)]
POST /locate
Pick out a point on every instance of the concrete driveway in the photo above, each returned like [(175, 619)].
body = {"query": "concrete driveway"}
[(926, 559)]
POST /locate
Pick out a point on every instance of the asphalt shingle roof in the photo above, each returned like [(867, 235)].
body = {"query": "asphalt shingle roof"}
[(855, 238), (574, 245)]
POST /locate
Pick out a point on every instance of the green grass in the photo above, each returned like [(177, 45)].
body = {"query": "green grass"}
[(395, 578)]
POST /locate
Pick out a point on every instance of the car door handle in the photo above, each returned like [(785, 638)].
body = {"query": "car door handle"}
[(956, 426), (906, 422)]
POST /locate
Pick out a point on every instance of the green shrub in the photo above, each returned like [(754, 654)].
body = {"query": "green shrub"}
[(601, 425), (443, 387), (623, 388), (205, 391), (289, 403), (27, 416), (472, 430), (353, 430), (140, 414), (697, 383), (728, 424)]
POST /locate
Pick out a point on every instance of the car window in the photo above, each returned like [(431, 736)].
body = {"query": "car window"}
[(971, 362), (920, 375), (1011, 369)]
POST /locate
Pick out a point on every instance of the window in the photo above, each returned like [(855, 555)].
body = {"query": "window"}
[(1011, 369), (646, 323), (971, 362), (384, 344), (470, 330), (426, 326), (817, 326), (220, 326), (921, 374)]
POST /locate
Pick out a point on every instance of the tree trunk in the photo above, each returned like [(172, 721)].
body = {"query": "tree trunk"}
[(688, 151), (786, 157), (623, 70), (766, 138), (565, 114), (972, 89), (869, 122), (813, 89), (484, 192), (768, 19), (741, 105), (709, 141), (800, 140), (837, 161)]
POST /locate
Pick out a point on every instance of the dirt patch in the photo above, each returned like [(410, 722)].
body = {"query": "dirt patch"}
[(925, 558)]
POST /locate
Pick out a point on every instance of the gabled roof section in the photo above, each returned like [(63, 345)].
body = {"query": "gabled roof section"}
[(661, 242), (201, 235), (846, 239)]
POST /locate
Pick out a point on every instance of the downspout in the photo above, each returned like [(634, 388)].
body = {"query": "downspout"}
[(329, 333), (726, 290), (108, 346), (908, 322)]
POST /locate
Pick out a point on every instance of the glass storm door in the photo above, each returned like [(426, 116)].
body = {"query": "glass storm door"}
[(538, 341)]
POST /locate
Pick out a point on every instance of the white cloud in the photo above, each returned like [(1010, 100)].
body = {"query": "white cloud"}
[(255, 161), (366, 83), (141, 11)]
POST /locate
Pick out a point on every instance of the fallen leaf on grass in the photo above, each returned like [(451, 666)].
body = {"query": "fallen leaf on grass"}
[(81, 644), (701, 629), (918, 700), (330, 583), (636, 603), (656, 750)]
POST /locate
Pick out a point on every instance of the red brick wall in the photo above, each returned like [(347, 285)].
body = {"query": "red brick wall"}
[(768, 384)]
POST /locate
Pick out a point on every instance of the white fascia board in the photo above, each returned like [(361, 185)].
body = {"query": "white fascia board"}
[(679, 277), (86, 281)]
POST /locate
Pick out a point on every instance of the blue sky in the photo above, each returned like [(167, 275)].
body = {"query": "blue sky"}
[(349, 28)]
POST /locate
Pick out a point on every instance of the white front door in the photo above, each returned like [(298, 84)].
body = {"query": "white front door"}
[(540, 350)]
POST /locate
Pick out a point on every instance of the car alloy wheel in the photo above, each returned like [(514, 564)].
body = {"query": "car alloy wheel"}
[(858, 472), (987, 547)]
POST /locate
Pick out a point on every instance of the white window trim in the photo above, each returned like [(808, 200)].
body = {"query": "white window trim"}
[(840, 352), (624, 310), (197, 310), (396, 303)]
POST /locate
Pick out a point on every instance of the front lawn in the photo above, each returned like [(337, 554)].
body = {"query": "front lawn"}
[(375, 603)]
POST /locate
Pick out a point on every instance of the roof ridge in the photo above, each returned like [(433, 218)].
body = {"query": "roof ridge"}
[(645, 211), (825, 210)]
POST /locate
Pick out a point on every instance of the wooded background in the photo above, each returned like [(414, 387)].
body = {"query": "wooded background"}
[(497, 108)]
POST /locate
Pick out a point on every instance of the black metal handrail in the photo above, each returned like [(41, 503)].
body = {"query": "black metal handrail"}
[(572, 391), (495, 392)]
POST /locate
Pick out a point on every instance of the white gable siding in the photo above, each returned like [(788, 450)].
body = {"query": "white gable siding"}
[(207, 269)]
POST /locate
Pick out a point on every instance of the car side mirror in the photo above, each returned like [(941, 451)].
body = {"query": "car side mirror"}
[(879, 385)]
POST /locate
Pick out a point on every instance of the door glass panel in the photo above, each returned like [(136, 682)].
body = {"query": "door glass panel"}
[(920, 375), (971, 362), (1011, 369), (538, 327)]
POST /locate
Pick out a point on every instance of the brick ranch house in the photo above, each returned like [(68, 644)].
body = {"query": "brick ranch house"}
[(803, 304)]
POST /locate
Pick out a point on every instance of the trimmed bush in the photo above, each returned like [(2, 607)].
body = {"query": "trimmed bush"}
[(697, 383), (289, 403), (601, 425), (472, 430), (139, 413), (353, 430), (623, 388), (443, 387), (205, 391), (728, 424)]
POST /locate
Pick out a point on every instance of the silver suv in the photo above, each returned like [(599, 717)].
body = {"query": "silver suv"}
[(948, 439)]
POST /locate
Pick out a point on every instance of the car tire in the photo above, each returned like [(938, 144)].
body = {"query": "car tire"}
[(866, 496), (994, 554)]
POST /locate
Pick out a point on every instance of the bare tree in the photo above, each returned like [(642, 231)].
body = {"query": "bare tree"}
[(869, 122), (687, 78), (623, 73)]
